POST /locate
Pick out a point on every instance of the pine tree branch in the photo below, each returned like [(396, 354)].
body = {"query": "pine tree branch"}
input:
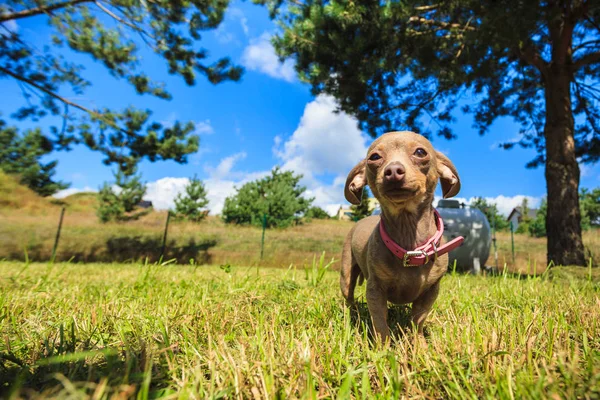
[(427, 8), (534, 59), (589, 43), (446, 25), (50, 93), (143, 34), (590, 58), (40, 10), (123, 21)]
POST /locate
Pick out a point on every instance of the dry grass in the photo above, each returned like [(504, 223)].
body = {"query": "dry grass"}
[(84, 239), (29, 225), (16, 197)]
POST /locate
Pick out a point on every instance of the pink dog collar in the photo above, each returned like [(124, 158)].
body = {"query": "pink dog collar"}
[(422, 254)]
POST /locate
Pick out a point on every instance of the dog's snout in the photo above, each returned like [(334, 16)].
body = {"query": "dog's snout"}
[(394, 172)]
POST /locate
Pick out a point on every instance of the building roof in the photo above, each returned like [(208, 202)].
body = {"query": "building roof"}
[(531, 212)]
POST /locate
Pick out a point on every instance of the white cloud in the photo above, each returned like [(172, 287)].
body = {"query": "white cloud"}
[(220, 184), (260, 56), (218, 191), (61, 194), (223, 170), (238, 14), (505, 204), (204, 127), (325, 142), (162, 192), (223, 35)]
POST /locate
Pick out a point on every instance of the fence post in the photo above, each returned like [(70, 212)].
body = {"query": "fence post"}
[(262, 242), (512, 239), (57, 238), (494, 241), (164, 243)]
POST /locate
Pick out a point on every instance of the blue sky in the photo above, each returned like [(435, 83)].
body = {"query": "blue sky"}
[(268, 119)]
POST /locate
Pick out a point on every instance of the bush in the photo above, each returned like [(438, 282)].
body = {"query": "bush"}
[(119, 204), (523, 227), (317, 213), (277, 196), (589, 203), (190, 205), (537, 227)]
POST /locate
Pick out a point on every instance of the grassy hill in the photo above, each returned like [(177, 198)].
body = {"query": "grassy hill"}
[(14, 196)]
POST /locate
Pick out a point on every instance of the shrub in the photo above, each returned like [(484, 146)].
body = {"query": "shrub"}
[(119, 204), (317, 213), (191, 204), (278, 196)]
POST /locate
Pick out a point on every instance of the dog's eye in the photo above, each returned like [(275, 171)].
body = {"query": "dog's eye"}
[(420, 153), (374, 157)]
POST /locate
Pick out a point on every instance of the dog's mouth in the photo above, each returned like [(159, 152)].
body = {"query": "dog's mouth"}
[(394, 192)]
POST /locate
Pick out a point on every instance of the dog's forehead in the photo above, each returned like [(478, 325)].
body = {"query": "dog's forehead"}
[(399, 140)]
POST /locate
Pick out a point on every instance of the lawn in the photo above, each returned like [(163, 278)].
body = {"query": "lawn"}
[(104, 330)]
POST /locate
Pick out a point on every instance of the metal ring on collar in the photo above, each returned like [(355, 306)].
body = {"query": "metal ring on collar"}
[(413, 253)]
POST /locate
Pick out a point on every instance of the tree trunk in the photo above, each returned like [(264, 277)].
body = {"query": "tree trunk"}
[(563, 220)]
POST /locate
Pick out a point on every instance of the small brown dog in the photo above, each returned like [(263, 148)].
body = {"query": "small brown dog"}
[(402, 169)]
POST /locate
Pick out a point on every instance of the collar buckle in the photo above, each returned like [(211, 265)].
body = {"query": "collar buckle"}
[(414, 253)]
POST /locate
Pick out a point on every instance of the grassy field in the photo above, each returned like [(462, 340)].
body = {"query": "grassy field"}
[(110, 330), (28, 228)]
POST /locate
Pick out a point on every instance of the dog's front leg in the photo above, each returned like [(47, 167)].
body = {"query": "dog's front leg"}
[(422, 306), (377, 303)]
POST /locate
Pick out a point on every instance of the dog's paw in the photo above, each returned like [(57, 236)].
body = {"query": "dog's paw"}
[(420, 342)]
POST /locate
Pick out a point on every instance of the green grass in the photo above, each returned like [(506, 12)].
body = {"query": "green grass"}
[(104, 330)]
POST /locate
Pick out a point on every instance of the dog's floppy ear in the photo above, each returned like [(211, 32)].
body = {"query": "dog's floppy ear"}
[(356, 181), (448, 176)]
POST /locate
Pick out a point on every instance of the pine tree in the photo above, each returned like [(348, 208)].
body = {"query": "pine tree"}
[(361, 210), (191, 204), (279, 197), (21, 154), (120, 203), (111, 32)]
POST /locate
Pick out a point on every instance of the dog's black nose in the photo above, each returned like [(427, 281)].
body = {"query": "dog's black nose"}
[(394, 172)]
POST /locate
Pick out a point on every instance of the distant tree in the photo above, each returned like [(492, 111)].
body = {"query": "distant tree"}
[(278, 196), (537, 226), (413, 64), (120, 203), (104, 31), (192, 204), (490, 210), (21, 154), (525, 218), (361, 210), (590, 207), (317, 213)]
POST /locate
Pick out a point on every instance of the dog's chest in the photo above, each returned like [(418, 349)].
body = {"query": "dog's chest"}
[(404, 284)]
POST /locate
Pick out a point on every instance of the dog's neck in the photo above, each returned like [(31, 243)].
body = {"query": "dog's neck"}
[(409, 228)]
